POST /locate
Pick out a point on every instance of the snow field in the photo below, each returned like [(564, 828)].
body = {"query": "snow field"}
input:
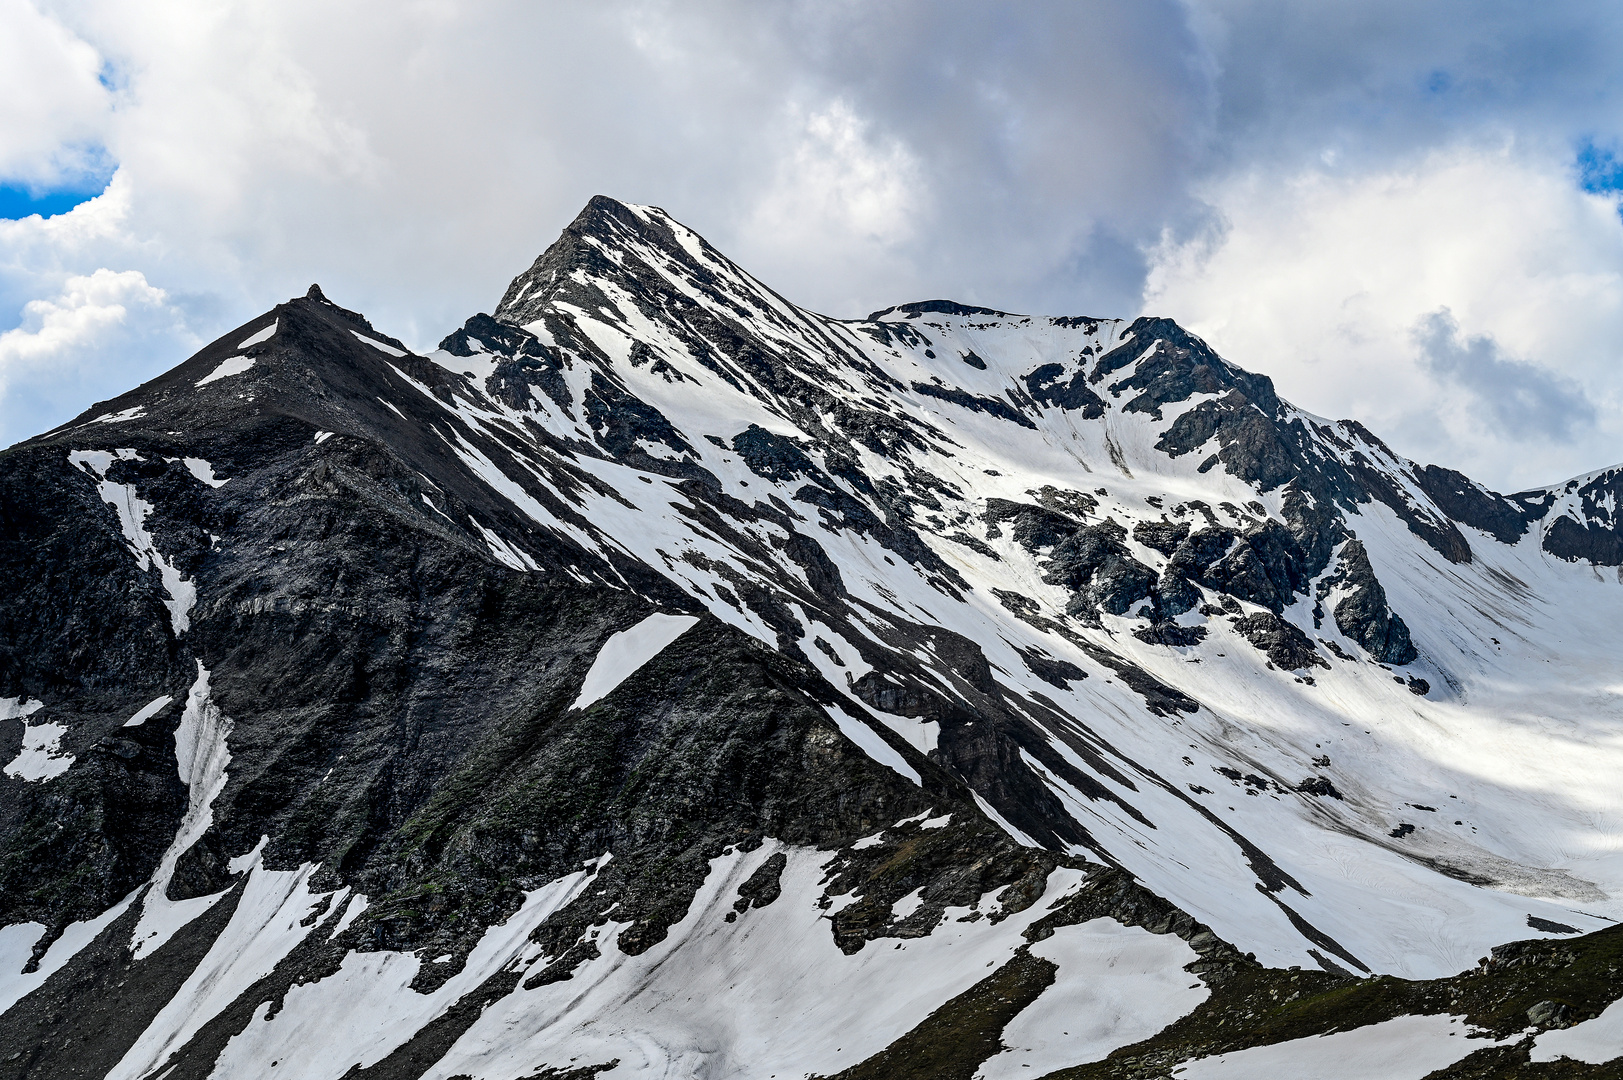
[(1116, 985), (232, 365), (1405, 1048), (263, 929), (623, 653), (767, 995), (1595, 1041), (361, 1013)]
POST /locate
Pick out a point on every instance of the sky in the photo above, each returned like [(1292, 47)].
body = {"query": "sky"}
[(1404, 213)]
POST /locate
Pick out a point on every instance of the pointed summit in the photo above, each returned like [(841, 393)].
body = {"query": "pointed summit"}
[(616, 241)]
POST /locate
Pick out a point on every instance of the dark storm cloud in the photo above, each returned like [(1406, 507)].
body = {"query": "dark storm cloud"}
[(1513, 397), (1384, 76)]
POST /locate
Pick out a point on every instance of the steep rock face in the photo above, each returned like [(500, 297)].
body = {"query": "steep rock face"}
[(1362, 613), (329, 686)]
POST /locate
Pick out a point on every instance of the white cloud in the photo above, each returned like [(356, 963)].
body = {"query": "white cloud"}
[(1330, 283), (1520, 400), (80, 316), (63, 342), (837, 192), (51, 102)]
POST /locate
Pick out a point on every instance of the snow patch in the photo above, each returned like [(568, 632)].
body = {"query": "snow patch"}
[(42, 756), (1003, 822), (378, 345), (12, 708), (99, 461), (1595, 1041), (204, 472), (872, 745), (352, 911), (1115, 986), (132, 515), (504, 552), (1405, 1048), (233, 365), (908, 904), (259, 335), (134, 413), (17, 945), (148, 711), (201, 755), (624, 653)]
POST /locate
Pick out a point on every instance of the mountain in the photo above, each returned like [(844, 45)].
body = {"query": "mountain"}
[(662, 679)]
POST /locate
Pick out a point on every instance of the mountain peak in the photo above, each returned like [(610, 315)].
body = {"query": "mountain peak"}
[(657, 633)]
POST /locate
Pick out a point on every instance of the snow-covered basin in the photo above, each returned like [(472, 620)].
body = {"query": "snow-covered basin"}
[(1595, 1041), (767, 994), (1404, 1048), (1116, 985), (624, 652)]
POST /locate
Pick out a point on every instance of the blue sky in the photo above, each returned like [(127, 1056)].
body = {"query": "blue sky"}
[(1600, 170), (1406, 213), (18, 201)]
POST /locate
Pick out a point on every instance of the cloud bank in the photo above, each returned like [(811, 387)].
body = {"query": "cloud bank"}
[(1312, 187)]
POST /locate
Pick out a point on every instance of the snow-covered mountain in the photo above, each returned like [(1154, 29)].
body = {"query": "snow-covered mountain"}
[(662, 674)]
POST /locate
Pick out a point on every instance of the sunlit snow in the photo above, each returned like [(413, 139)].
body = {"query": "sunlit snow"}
[(148, 711), (625, 652), (380, 346), (264, 334), (234, 365), (1595, 1041), (42, 756), (1406, 1048)]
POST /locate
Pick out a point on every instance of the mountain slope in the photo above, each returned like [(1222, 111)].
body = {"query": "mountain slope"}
[(948, 626)]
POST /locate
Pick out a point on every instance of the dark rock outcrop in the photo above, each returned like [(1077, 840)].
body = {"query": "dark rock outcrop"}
[(1284, 643), (1363, 614)]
